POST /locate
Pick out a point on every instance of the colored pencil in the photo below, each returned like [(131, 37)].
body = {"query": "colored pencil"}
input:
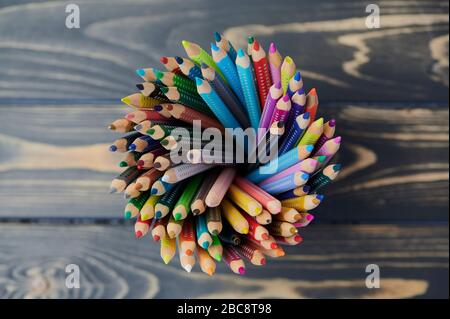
[(284, 161), (280, 228), (141, 227), (248, 86), (227, 65), (295, 84), (159, 228), (189, 115), (306, 219), (269, 202), (148, 74), (296, 192), (167, 201), (121, 181), (168, 248), (189, 68), (313, 133), (181, 172), (122, 144), (330, 147), (143, 144), (264, 218), (228, 235), (160, 187), (329, 129), (187, 262), (121, 126), (226, 95), (254, 255), (303, 203), (131, 191), (139, 116), (287, 72), (152, 90), (233, 260), (138, 100), (198, 204), (286, 183), (204, 239), (146, 160), (308, 165), (148, 210), (226, 45), (275, 92), (174, 227), (134, 205), (267, 148), (282, 109), (290, 241), (207, 264), (183, 205), (171, 64), (288, 214), (162, 162), (312, 103), (214, 220), (234, 217), (199, 56), (295, 133), (275, 60), (262, 73), (187, 237), (298, 102), (325, 177), (130, 159), (220, 187), (216, 105), (244, 200), (256, 231)]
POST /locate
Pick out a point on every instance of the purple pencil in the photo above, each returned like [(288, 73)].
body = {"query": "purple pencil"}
[(275, 60), (275, 92), (282, 110), (308, 165), (298, 102)]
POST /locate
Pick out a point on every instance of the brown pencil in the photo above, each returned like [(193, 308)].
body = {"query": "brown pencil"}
[(198, 205), (214, 220)]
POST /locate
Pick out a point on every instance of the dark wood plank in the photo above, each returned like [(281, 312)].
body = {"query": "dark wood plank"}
[(330, 263), (405, 60), (54, 163)]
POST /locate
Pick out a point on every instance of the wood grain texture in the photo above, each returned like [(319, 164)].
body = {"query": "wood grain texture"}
[(330, 263), (405, 60), (54, 163)]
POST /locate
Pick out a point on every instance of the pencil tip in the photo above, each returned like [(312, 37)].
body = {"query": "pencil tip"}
[(113, 148), (198, 81), (158, 214), (241, 270), (163, 60), (263, 261), (166, 259), (189, 252), (177, 216), (214, 47), (241, 53), (126, 100), (309, 148), (217, 36), (112, 190), (140, 86), (185, 44), (132, 147), (140, 72), (188, 268), (272, 48), (205, 245), (127, 214), (138, 234)]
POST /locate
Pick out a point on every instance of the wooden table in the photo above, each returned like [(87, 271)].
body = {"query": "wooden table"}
[(387, 87)]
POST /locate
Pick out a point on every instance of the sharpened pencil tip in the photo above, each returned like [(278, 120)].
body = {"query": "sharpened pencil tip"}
[(272, 48), (217, 36), (188, 268), (263, 261), (306, 188), (156, 238), (198, 81), (113, 148), (297, 76), (164, 89), (309, 148), (127, 214), (140, 72), (166, 259), (132, 147), (138, 127), (153, 191), (179, 60), (158, 214), (123, 164), (305, 176), (205, 245), (158, 108), (140, 86), (251, 39), (241, 270), (332, 123), (185, 44), (310, 217), (189, 252), (163, 60), (138, 234), (214, 47), (337, 167), (177, 216), (241, 53), (306, 115), (320, 197), (112, 190), (126, 100)]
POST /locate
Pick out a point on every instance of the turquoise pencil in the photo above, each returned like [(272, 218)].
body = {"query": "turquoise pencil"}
[(278, 165), (228, 68), (204, 239), (248, 86)]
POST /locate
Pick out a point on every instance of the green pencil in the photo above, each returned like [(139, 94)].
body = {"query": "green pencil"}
[(134, 205), (183, 205)]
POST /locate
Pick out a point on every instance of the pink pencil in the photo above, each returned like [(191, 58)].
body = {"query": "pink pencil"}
[(275, 60), (281, 110), (275, 93), (220, 187), (269, 202), (330, 147), (308, 166)]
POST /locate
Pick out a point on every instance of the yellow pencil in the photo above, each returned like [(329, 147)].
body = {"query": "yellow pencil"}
[(303, 203), (288, 214), (244, 201), (168, 248), (234, 217)]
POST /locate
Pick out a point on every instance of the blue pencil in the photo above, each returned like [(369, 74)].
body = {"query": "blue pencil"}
[(295, 84), (296, 192), (283, 162), (294, 133), (228, 68), (249, 89), (286, 183), (226, 45), (189, 68), (160, 187), (298, 102)]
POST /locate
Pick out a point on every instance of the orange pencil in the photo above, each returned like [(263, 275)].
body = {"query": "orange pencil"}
[(312, 103), (207, 264)]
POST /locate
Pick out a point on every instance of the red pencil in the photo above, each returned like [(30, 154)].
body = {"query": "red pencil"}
[(262, 73)]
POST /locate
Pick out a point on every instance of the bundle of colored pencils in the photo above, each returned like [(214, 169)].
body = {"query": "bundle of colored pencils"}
[(227, 210)]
